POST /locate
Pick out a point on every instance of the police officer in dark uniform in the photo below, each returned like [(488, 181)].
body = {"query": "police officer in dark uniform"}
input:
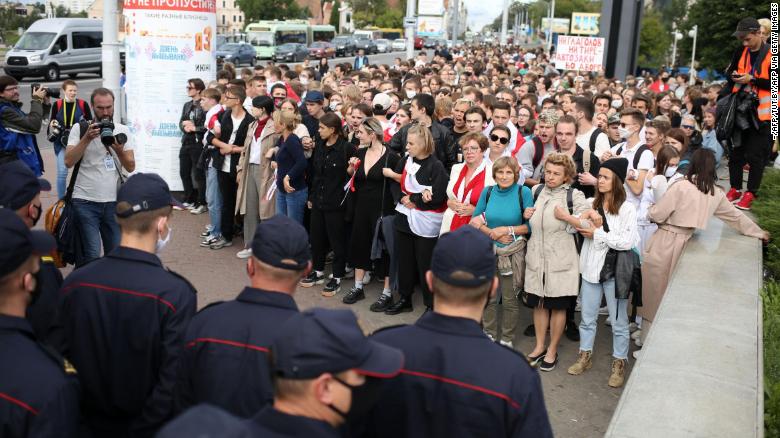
[(21, 193), (39, 394), (325, 373), (456, 381), (205, 421), (225, 359), (124, 318)]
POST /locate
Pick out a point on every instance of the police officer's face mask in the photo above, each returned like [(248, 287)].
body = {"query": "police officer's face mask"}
[(364, 397)]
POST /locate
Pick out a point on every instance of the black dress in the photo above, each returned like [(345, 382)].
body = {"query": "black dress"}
[(368, 208)]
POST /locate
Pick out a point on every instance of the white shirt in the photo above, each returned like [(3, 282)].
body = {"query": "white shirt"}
[(98, 177), (228, 157), (254, 152), (602, 142), (623, 235), (248, 104), (646, 162)]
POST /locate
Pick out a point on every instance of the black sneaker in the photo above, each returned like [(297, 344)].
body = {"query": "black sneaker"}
[(332, 288), (572, 332), (312, 279), (354, 295), (382, 303), (547, 366), (530, 330)]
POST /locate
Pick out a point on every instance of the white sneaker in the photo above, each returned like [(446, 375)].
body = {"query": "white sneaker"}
[(507, 344), (608, 322), (636, 335), (244, 253), (603, 310), (199, 209), (636, 354)]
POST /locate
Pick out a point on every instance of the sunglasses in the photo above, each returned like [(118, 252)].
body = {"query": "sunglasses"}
[(687, 127), (502, 140)]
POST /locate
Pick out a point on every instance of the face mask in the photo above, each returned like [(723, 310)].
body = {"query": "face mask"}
[(411, 94), (617, 103), (624, 132), (162, 243), (670, 171), (333, 106), (364, 397)]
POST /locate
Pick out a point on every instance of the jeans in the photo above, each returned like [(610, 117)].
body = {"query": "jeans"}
[(214, 200), (62, 174), (292, 204), (97, 223), (591, 300)]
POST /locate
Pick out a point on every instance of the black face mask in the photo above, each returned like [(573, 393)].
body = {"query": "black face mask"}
[(364, 397), (38, 216)]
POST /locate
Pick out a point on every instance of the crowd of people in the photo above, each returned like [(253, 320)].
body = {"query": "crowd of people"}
[(482, 176)]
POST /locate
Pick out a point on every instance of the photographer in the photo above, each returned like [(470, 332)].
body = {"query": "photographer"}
[(100, 154), (65, 113), (17, 129), (748, 73)]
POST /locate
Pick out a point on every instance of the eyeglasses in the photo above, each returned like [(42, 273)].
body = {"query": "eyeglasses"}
[(471, 149), (687, 127), (502, 140)]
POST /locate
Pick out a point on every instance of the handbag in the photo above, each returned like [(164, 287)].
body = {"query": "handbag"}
[(725, 114), (378, 240), (608, 269)]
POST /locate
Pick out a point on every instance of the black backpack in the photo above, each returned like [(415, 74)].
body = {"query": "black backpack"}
[(637, 155)]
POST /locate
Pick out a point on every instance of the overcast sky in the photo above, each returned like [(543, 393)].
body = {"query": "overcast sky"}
[(482, 12)]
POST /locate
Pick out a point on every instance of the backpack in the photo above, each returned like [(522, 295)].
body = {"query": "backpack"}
[(637, 155), (80, 103), (538, 151), (519, 197), (578, 239), (593, 137)]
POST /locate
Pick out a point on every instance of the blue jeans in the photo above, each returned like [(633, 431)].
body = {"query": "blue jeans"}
[(591, 300), (62, 173), (214, 201), (97, 223), (292, 204)]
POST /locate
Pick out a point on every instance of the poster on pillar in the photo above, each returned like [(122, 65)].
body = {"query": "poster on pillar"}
[(579, 53), (166, 43)]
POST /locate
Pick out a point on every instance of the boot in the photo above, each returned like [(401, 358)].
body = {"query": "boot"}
[(618, 373), (404, 304), (583, 363)]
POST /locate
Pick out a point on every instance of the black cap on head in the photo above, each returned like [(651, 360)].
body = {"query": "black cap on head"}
[(747, 25), (464, 258), (618, 166), (281, 242), (314, 96), (19, 185), (17, 242), (321, 341), (145, 192)]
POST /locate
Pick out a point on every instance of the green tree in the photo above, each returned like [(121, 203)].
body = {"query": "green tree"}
[(563, 9), (366, 12), (334, 15), (717, 22), (255, 10), (654, 40)]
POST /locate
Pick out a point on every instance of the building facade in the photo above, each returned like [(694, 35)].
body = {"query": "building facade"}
[(230, 19)]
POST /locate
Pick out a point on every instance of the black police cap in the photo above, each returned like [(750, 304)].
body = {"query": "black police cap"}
[(320, 341), (18, 243), (281, 242), (144, 192), (464, 258), (19, 185)]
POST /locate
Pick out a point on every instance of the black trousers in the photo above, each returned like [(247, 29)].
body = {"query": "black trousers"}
[(327, 227), (753, 151), (228, 188), (193, 179), (414, 260)]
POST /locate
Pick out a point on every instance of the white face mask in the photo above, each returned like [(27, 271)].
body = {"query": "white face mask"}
[(670, 171), (333, 106), (624, 132), (411, 94), (162, 243), (304, 81), (617, 103)]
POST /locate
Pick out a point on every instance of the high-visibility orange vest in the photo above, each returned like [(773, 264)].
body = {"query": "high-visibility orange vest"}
[(764, 96)]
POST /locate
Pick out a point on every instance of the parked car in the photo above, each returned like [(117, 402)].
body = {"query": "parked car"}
[(382, 45), (429, 43), (322, 49), (399, 44), (365, 43), (419, 43), (292, 52), (345, 45), (237, 53), (57, 45)]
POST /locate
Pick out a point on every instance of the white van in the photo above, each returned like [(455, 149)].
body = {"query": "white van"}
[(57, 45)]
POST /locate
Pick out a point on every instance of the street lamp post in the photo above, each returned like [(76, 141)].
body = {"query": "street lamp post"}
[(676, 36), (693, 33), (410, 23), (550, 34), (504, 19)]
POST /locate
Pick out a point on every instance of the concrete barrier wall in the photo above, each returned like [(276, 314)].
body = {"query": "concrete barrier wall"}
[(700, 373)]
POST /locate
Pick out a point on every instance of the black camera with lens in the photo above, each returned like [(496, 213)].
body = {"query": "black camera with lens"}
[(49, 92), (107, 136)]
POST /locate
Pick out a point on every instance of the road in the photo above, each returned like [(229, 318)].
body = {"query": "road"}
[(578, 406)]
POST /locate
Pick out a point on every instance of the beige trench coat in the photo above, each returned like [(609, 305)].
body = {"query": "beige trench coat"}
[(268, 140), (552, 265), (678, 214)]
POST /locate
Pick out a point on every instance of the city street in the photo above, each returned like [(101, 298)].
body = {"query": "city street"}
[(578, 406)]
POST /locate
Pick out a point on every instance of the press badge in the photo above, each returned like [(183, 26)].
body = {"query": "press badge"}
[(109, 162)]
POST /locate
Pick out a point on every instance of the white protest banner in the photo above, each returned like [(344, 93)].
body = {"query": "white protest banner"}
[(167, 43), (579, 53)]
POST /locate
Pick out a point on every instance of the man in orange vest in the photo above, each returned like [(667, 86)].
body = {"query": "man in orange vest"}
[(749, 71)]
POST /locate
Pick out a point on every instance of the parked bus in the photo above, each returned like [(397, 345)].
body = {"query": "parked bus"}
[(322, 32), (392, 34), (265, 36)]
